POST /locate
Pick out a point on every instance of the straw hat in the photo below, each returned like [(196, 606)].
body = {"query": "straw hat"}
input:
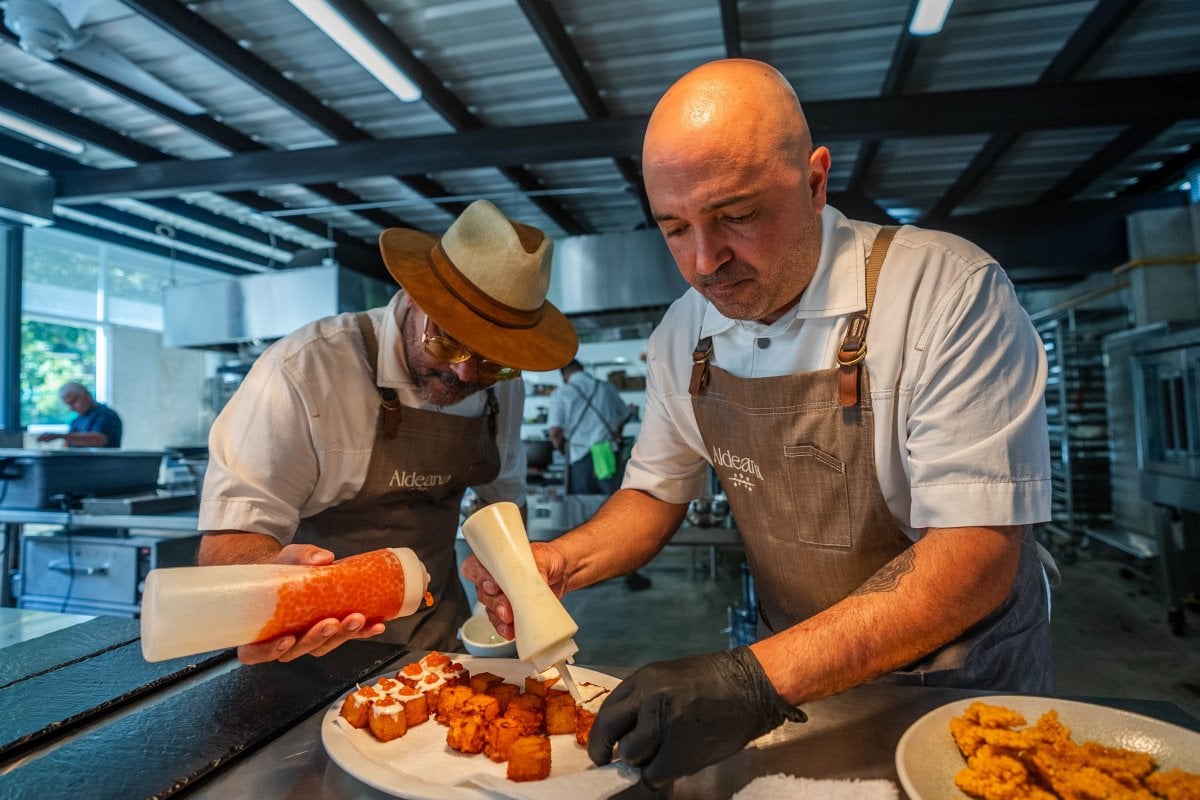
[(484, 283)]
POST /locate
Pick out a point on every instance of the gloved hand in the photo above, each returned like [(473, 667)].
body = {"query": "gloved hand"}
[(672, 718)]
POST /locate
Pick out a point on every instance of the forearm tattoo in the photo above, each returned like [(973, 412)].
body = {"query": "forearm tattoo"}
[(889, 575)]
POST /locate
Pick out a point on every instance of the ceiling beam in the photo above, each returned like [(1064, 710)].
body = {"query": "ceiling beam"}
[(1096, 28), (1037, 107), (550, 29)]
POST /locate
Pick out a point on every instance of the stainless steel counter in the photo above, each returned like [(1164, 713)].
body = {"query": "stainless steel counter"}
[(852, 735)]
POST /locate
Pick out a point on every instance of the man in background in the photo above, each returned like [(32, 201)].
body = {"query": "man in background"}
[(586, 417), (96, 425)]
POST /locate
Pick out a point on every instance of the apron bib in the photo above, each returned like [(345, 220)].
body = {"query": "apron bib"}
[(410, 498), (795, 456)]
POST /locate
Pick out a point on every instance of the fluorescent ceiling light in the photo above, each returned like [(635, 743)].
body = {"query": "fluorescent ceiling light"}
[(42, 134), (360, 48), (929, 17)]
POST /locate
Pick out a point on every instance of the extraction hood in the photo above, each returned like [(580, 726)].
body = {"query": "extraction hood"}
[(261, 308), (610, 285)]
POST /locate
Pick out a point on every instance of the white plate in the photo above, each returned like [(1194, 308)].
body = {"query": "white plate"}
[(419, 765), (927, 758)]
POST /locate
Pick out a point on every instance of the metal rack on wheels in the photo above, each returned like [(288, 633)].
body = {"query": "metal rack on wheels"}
[(1077, 421)]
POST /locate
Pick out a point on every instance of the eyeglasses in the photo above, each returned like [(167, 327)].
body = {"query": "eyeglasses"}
[(445, 349)]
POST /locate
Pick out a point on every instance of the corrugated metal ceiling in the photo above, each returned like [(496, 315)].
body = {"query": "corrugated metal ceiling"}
[(538, 106)]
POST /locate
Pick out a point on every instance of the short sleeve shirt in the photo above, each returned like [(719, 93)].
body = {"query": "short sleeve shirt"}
[(296, 437), (99, 419), (957, 378), (584, 425)]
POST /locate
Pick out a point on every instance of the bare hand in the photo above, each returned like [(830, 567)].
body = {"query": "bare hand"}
[(323, 637), (550, 564), (49, 437)]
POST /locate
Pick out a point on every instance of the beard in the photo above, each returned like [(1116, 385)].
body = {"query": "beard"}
[(442, 387)]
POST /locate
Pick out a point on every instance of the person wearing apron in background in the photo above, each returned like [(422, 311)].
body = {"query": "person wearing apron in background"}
[(363, 430), (871, 400)]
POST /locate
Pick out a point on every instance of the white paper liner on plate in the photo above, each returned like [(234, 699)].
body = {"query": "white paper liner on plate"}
[(789, 787), (572, 772)]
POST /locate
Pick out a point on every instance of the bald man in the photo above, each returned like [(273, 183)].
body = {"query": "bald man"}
[(884, 476)]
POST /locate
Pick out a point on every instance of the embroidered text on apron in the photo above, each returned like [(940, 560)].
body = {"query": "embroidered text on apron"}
[(795, 456), (410, 498)]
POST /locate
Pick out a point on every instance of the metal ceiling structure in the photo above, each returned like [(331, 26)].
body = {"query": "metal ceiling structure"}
[(1031, 126)]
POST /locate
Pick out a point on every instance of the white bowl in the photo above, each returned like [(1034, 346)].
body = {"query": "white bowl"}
[(480, 638)]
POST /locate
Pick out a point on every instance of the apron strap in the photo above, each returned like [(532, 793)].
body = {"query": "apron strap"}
[(700, 357), (387, 395), (854, 346)]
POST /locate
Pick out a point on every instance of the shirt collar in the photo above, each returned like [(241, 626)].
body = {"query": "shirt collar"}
[(391, 369), (831, 292)]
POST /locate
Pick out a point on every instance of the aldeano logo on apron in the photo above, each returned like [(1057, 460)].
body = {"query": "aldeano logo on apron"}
[(411, 480), (745, 467)]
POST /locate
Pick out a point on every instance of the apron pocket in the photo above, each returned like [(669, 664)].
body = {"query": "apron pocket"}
[(820, 498)]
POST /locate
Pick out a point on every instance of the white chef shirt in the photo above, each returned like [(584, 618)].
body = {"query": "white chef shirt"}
[(584, 425), (296, 437), (957, 376)]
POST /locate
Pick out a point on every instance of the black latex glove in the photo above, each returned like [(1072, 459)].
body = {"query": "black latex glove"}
[(673, 718)]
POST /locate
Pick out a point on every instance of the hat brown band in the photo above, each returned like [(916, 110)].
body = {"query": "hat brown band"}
[(475, 299)]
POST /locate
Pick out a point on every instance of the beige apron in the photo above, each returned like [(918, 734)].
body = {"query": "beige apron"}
[(410, 498), (795, 456)]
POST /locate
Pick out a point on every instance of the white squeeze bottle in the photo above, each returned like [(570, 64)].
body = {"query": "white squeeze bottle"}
[(498, 539), (189, 610)]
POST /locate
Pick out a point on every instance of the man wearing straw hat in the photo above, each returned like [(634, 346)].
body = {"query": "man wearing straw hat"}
[(363, 430)]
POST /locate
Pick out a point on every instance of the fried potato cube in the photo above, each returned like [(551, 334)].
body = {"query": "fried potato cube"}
[(451, 702), (435, 660), (529, 710), (583, 726), (409, 674), (504, 692), (356, 708), (482, 681), (486, 706), (535, 684), (467, 733), (387, 720), (560, 714), (416, 705), (500, 734), (529, 759)]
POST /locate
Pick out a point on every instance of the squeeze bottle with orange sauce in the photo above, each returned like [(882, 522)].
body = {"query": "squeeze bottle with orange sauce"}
[(189, 610), (498, 539)]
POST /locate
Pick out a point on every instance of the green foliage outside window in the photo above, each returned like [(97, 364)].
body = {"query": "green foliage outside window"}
[(51, 355)]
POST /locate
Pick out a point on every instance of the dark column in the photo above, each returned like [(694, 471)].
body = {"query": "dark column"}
[(11, 256)]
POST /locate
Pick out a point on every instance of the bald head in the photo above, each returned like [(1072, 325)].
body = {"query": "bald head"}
[(735, 108), (736, 187)]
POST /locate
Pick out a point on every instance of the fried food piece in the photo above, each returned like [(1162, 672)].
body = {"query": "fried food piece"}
[(529, 710), (992, 775), (467, 733), (409, 674), (356, 708), (483, 681), (387, 720), (504, 692), (540, 684), (560, 714), (416, 705), (486, 706), (989, 716), (1174, 784), (500, 734), (451, 702), (583, 726), (529, 759)]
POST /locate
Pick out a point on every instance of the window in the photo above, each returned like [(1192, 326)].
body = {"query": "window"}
[(51, 355), (74, 290)]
